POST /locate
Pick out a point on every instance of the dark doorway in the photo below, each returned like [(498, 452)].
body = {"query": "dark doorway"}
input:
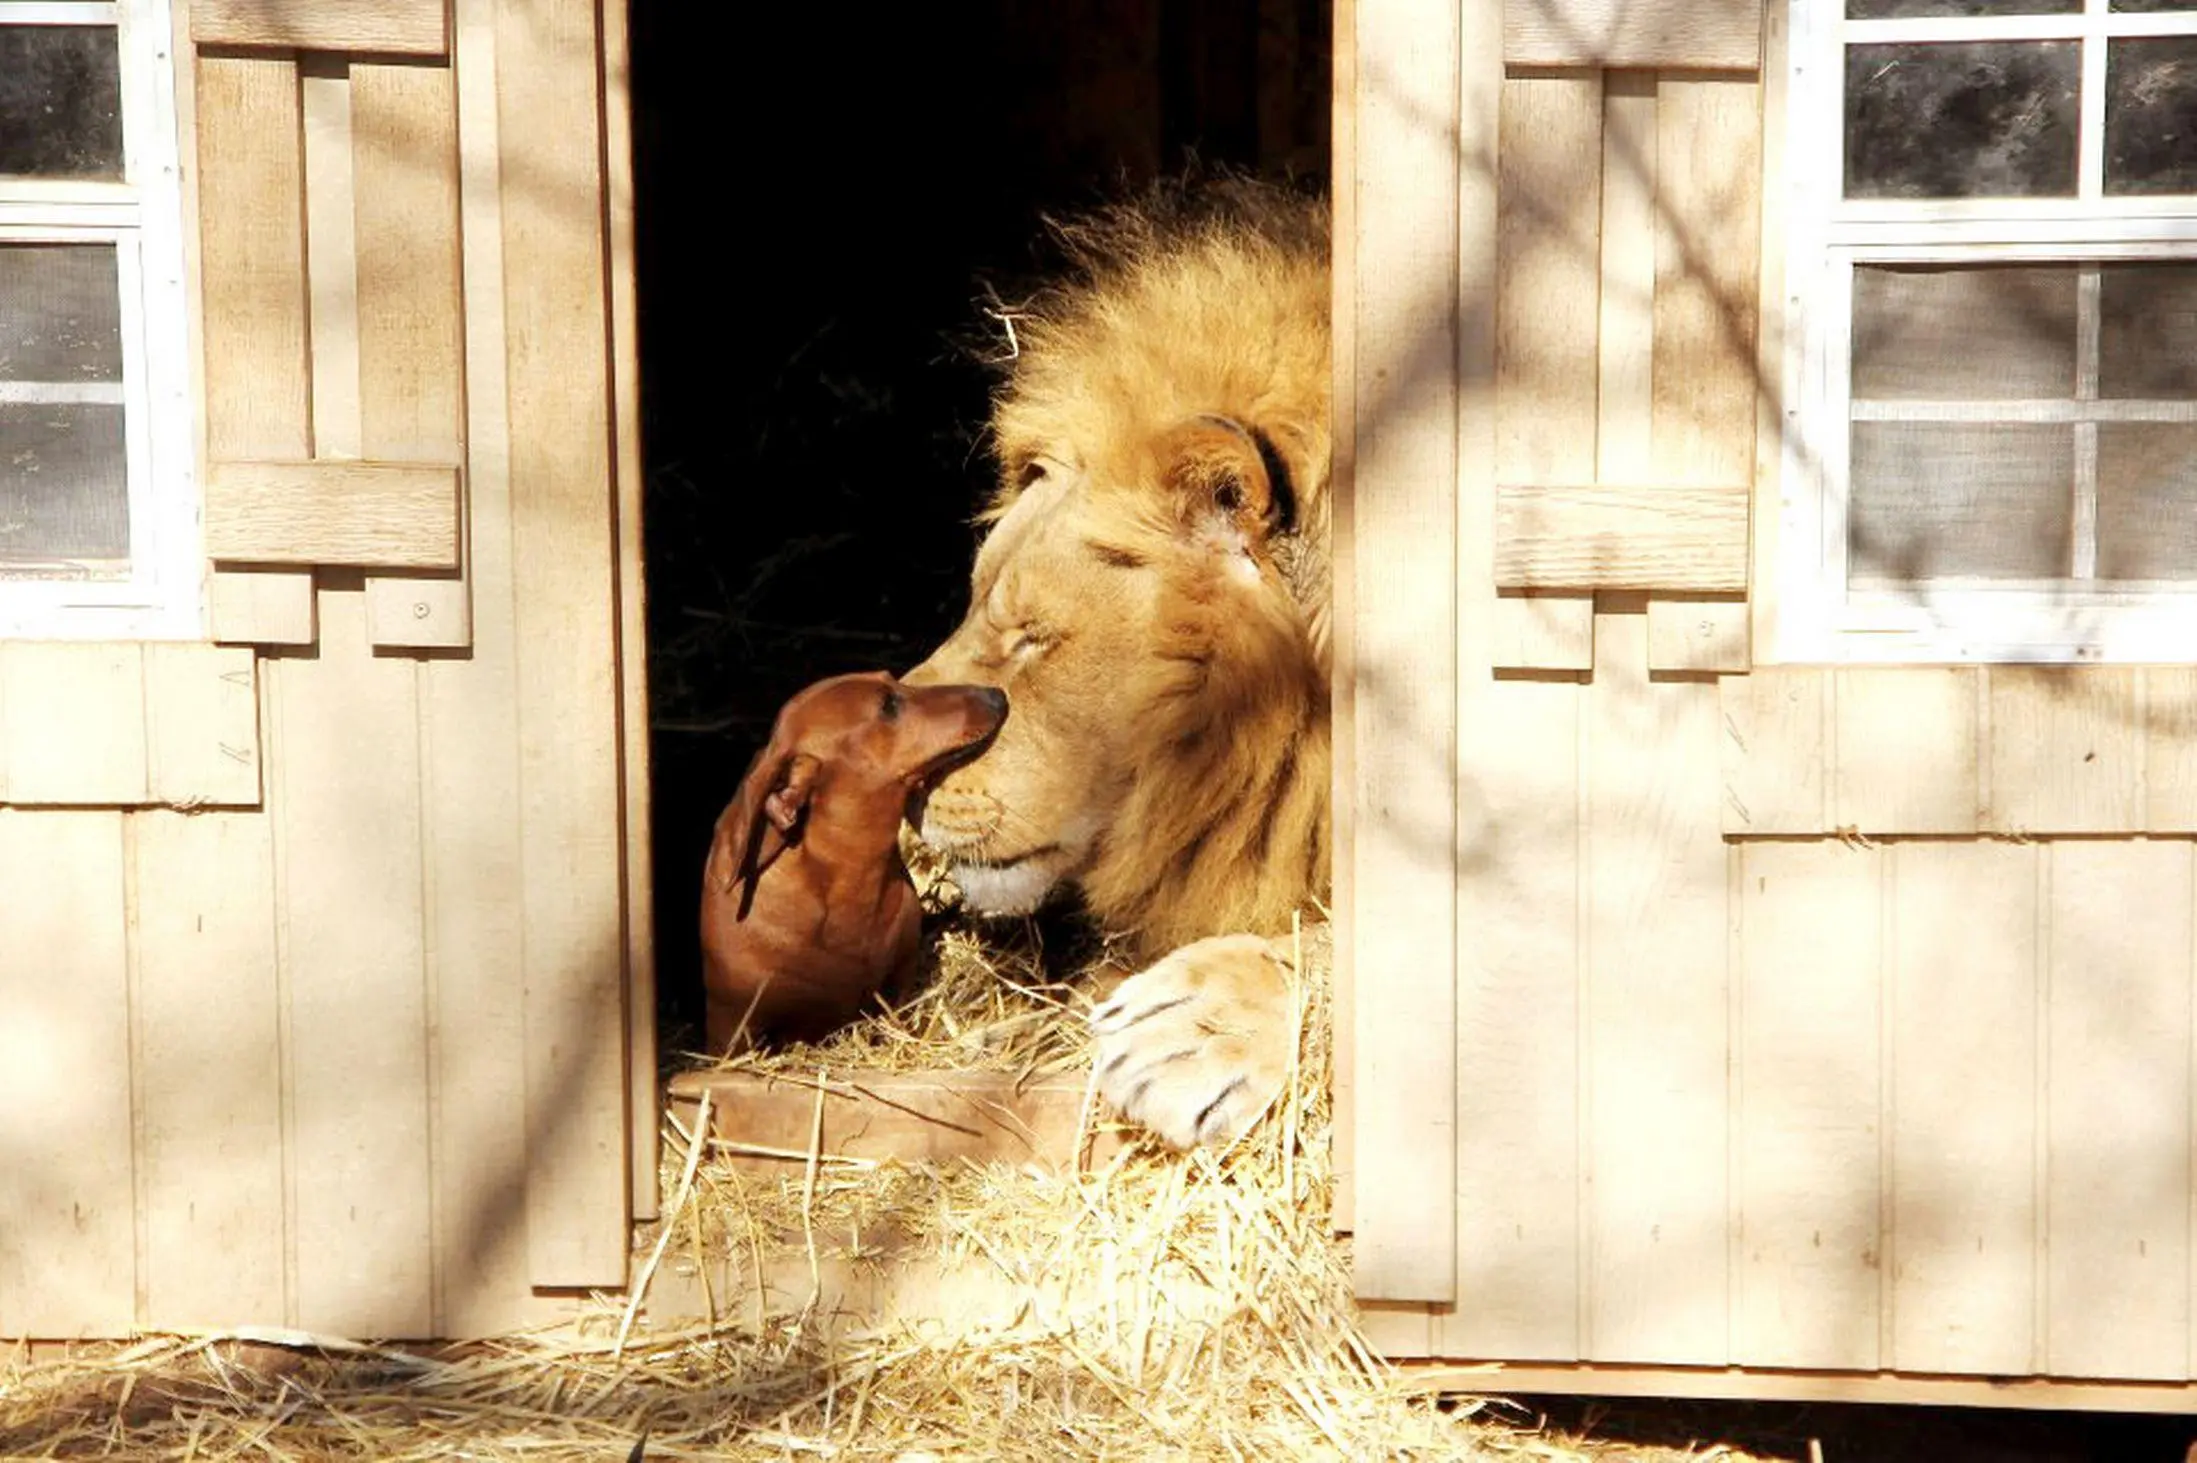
[(825, 195)]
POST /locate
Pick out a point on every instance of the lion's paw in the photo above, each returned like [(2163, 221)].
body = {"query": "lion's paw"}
[(1197, 1046)]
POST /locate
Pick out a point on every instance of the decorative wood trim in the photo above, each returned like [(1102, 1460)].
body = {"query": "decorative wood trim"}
[(1665, 539), (1692, 35), (401, 515), (1697, 635), (379, 27)]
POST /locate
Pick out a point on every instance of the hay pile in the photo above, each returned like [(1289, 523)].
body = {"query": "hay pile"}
[(1157, 1306)]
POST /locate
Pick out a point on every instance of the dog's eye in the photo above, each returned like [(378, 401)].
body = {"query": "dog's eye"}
[(889, 708)]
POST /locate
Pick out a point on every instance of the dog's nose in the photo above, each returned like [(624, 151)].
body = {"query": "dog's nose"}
[(994, 699)]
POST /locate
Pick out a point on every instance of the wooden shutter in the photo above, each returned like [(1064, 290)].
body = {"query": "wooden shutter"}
[(1695, 35), (327, 201)]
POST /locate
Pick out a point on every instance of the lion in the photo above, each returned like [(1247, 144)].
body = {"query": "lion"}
[(1152, 595)]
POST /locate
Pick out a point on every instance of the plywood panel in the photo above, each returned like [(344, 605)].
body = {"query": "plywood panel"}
[(1697, 635), (68, 1266), (1547, 632), (1548, 242), (1668, 539), (1906, 750), (563, 551), (1690, 34), (1810, 1100), (1964, 1116), (1708, 190), (1343, 539), (2066, 750), (345, 735), (1406, 580), (209, 1069), (1518, 1176), (1777, 775), (74, 728), (2118, 1099), (250, 183), (1655, 1048), (2170, 749), (400, 27), (469, 718), (202, 726)]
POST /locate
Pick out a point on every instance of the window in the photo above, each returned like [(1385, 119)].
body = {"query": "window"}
[(1991, 286), (98, 507)]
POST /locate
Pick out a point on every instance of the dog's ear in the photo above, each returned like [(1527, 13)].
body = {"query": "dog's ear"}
[(763, 821), (790, 792), (1225, 483)]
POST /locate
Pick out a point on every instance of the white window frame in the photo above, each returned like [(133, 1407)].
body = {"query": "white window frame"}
[(142, 216), (1819, 617)]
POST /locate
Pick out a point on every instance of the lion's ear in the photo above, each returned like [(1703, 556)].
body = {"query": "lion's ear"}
[(1219, 477)]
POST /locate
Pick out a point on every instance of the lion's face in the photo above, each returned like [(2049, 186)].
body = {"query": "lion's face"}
[(1101, 603)]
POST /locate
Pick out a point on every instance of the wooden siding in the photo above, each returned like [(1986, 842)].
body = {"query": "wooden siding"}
[(362, 1032), (1819, 1032)]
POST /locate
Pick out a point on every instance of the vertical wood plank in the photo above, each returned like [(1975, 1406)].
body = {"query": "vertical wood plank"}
[(251, 247), (562, 547), (470, 734), (1411, 285), (2170, 749), (68, 1261), (210, 1071), (2118, 1102), (404, 135), (1770, 344), (644, 1125), (75, 723), (1625, 428), (1907, 750), (1964, 1115), (201, 726), (1776, 751), (1810, 1107), (1547, 632), (1548, 254), (1518, 1178), (1342, 538), (346, 756), (1656, 1043), (1708, 192), (2067, 752)]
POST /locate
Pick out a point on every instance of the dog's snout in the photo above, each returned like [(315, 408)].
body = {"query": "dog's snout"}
[(993, 700)]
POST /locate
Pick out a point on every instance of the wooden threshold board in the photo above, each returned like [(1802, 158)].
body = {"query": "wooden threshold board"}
[(770, 1122)]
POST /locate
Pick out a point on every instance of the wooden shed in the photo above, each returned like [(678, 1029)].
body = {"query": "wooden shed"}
[(324, 947), (1771, 713)]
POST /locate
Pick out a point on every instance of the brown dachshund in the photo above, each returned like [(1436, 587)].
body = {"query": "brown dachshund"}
[(807, 910)]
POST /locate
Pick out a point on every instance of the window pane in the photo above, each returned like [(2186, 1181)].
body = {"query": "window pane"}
[(2147, 331), (60, 102), (1987, 119), (1960, 499), (1904, 9), (1923, 332), (62, 493), (2151, 115), (2147, 500), (59, 313)]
